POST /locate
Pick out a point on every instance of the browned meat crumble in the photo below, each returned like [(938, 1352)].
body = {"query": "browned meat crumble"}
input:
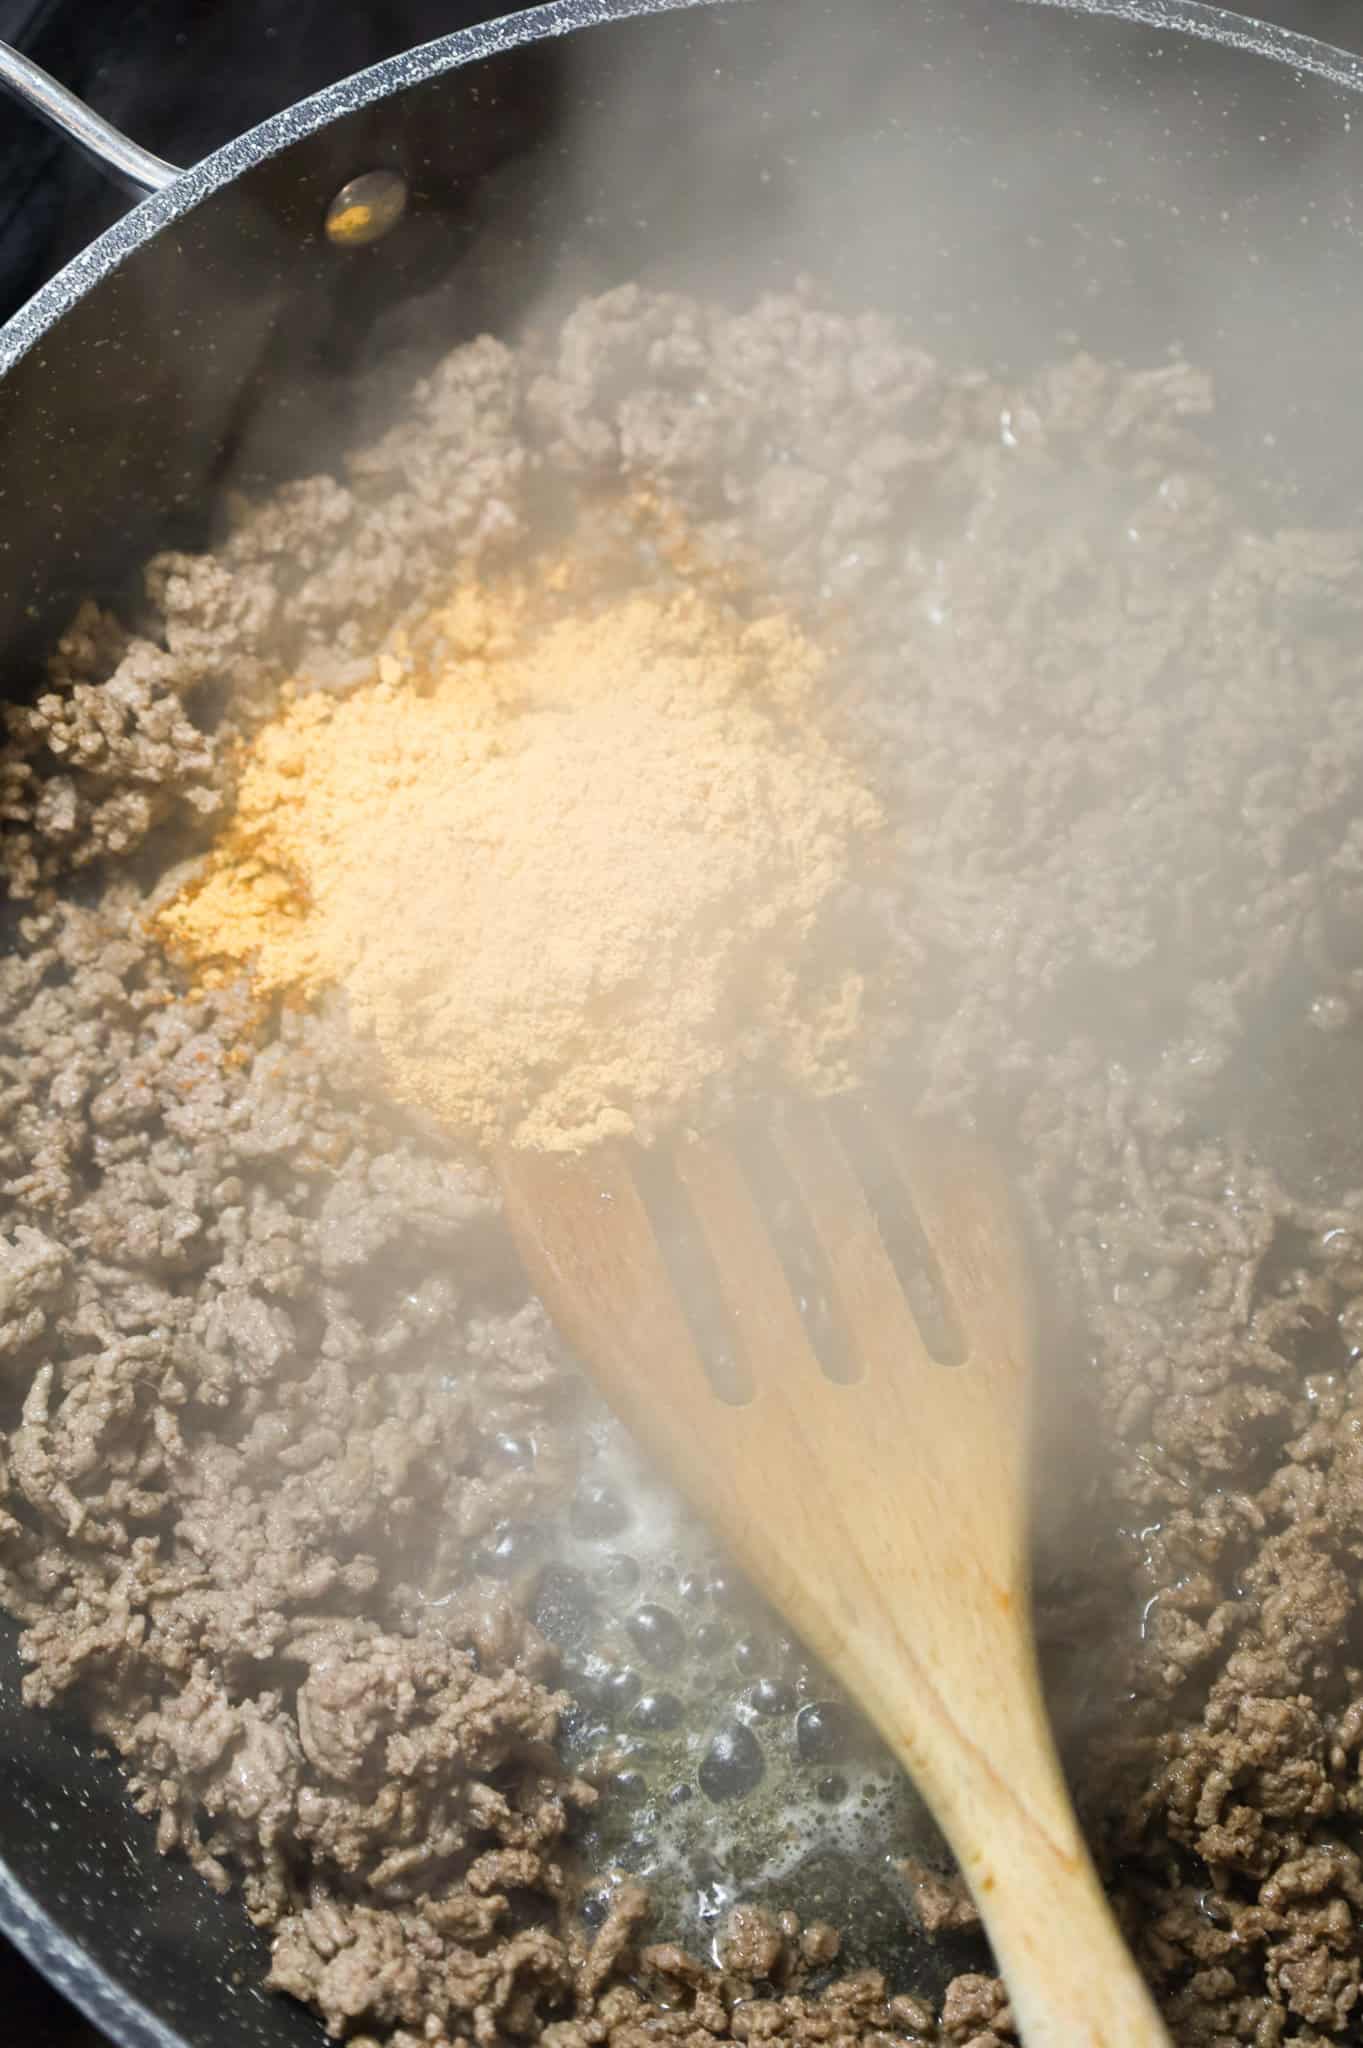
[(268, 1374)]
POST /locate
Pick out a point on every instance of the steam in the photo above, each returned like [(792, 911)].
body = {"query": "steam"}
[(1107, 681), (1018, 184), (1014, 180), (1015, 185)]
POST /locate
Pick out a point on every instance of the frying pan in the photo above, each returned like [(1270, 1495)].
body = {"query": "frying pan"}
[(1015, 177)]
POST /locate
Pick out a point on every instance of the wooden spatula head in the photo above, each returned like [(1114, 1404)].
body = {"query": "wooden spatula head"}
[(818, 1485), (877, 1498)]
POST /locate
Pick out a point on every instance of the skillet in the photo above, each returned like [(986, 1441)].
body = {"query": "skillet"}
[(1014, 176)]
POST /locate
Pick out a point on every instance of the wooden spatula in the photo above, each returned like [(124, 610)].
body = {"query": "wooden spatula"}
[(885, 1518)]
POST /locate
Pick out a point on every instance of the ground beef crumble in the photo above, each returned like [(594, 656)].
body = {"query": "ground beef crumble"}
[(262, 1344)]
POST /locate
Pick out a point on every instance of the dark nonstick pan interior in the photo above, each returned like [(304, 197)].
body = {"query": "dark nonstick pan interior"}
[(1015, 178)]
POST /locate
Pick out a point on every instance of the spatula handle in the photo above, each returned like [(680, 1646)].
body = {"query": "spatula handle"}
[(1070, 1977), (1002, 1802)]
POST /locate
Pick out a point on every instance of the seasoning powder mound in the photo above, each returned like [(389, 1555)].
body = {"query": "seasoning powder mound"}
[(565, 868)]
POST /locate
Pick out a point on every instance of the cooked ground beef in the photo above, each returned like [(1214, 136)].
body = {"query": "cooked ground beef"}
[(277, 1413)]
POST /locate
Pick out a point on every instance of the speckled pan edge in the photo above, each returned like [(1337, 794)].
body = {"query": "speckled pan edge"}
[(559, 17)]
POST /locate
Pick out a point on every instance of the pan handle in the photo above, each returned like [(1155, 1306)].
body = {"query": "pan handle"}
[(136, 169)]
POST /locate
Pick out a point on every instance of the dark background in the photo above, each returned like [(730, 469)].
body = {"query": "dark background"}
[(182, 76)]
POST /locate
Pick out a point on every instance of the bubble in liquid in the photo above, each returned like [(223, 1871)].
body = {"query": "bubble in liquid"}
[(658, 1711), (733, 1764), (771, 1696), (825, 1732), (622, 1688), (658, 1633), (512, 1545)]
